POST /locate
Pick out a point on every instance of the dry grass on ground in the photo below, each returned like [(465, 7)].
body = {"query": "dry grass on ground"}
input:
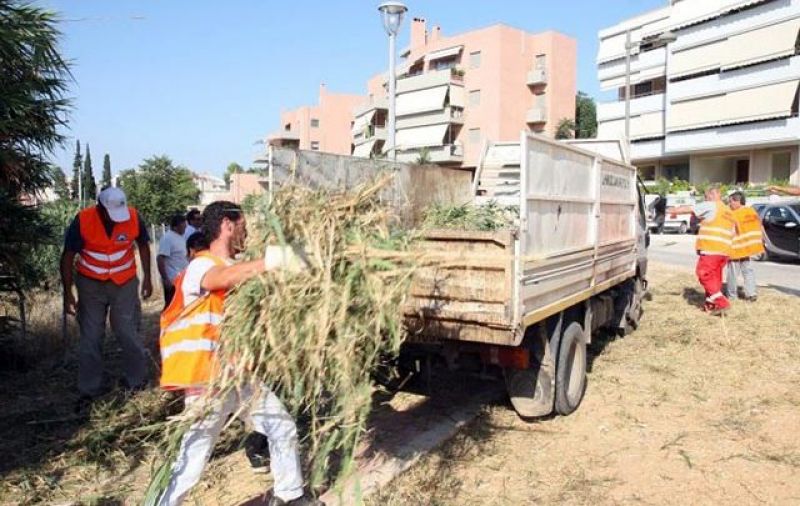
[(690, 409)]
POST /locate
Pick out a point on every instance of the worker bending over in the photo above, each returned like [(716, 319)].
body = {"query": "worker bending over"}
[(749, 242), (714, 244), (190, 333)]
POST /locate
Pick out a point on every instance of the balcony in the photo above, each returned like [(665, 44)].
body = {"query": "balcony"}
[(370, 133), (536, 114), (372, 105), (430, 80), (445, 154), (613, 110), (448, 114), (537, 77), (284, 138)]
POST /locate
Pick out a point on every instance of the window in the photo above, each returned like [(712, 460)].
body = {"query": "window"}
[(474, 135), (475, 60), (779, 215), (541, 61), (781, 166), (287, 127), (444, 64), (647, 173), (676, 171), (314, 145), (314, 123), (475, 97)]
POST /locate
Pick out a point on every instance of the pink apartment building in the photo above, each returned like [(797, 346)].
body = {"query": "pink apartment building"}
[(454, 95), (324, 127)]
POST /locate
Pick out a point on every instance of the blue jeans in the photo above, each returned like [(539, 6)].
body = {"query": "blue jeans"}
[(745, 266)]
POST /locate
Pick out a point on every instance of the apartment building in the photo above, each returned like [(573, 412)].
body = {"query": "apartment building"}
[(714, 90), (454, 93), (323, 127)]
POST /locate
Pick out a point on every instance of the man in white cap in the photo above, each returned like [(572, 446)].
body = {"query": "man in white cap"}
[(99, 245)]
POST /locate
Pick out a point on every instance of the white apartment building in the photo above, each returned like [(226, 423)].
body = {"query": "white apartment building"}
[(719, 102)]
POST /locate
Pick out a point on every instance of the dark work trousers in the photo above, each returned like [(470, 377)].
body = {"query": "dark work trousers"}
[(169, 292), (96, 301)]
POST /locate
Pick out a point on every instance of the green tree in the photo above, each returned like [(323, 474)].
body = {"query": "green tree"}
[(232, 168), (60, 185), (89, 184), (106, 181), (77, 161), (33, 107), (566, 129), (159, 189), (585, 126)]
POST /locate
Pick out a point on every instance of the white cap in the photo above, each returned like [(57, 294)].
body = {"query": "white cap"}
[(115, 202)]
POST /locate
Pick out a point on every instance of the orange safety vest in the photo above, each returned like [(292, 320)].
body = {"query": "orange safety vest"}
[(107, 258), (190, 335), (749, 241), (716, 236)]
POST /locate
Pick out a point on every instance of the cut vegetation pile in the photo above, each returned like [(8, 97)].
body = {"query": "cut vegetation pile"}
[(314, 337), (486, 218)]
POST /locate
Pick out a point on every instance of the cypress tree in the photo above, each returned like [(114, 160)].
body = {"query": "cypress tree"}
[(76, 172), (89, 185), (106, 181)]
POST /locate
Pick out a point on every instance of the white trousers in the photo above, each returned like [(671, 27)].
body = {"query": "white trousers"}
[(268, 416)]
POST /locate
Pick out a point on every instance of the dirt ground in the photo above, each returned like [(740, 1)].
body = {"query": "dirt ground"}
[(690, 409)]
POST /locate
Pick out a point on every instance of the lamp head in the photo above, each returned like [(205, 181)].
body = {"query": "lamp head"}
[(392, 13)]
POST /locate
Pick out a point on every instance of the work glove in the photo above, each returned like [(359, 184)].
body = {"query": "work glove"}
[(283, 258)]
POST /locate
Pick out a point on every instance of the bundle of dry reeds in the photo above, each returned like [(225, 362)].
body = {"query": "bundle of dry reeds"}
[(315, 336)]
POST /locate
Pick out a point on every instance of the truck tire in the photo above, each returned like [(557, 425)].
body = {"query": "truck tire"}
[(571, 369), (633, 314), (530, 391)]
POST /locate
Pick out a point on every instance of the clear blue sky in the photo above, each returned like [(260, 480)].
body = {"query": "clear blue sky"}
[(201, 81)]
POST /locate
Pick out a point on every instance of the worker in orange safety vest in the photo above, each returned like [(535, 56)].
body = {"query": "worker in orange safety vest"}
[(749, 242), (714, 246), (99, 261), (190, 336)]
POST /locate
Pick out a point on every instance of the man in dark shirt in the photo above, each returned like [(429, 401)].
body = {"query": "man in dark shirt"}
[(99, 260)]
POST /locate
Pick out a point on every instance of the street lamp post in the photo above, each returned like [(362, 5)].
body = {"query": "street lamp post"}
[(665, 38), (392, 14)]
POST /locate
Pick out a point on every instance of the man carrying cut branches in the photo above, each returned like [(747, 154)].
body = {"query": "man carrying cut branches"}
[(190, 333)]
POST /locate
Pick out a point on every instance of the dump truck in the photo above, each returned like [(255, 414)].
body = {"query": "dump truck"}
[(529, 298)]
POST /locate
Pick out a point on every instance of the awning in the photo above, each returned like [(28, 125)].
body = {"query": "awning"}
[(364, 150), (443, 53), (766, 43), (431, 135), (772, 101), (362, 121), (697, 59), (765, 102), (650, 124), (732, 5), (457, 96), (431, 99), (690, 12), (613, 48)]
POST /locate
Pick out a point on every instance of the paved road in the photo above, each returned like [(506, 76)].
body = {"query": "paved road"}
[(678, 250)]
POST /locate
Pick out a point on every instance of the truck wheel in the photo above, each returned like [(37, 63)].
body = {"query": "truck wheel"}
[(571, 369), (633, 314), (530, 391)]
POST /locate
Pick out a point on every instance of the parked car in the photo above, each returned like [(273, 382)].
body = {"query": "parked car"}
[(681, 223), (782, 229)]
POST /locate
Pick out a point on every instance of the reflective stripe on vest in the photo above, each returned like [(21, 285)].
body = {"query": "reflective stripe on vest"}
[(105, 257), (750, 241), (716, 236), (190, 336)]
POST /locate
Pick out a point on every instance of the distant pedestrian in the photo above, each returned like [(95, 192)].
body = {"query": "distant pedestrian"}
[(172, 257), (99, 245), (660, 210), (194, 220), (195, 244), (749, 242), (714, 245)]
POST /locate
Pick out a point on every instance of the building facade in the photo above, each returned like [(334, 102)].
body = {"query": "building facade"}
[(323, 127), (714, 90), (455, 93)]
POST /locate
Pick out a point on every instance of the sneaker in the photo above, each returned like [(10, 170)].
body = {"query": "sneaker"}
[(303, 500), (256, 448)]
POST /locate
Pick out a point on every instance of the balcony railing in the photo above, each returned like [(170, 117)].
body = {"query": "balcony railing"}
[(536, 114), (537, 77)]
